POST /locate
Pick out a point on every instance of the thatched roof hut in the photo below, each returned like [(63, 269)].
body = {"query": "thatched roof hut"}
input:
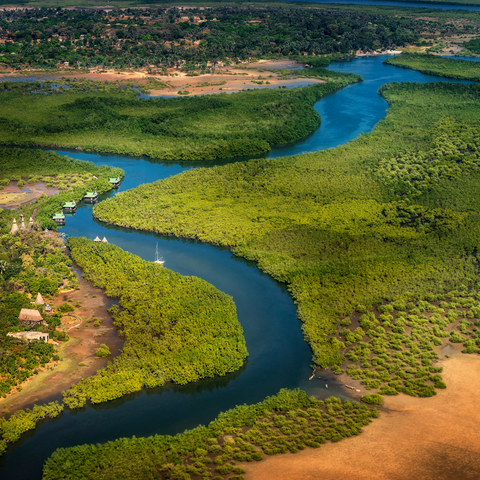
[(96, 239), (30, 224), (39, 300), (14, 227), (22, 226), (30, 317), (105, 240)]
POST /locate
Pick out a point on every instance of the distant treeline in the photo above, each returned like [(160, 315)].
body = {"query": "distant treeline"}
[(198, 39)]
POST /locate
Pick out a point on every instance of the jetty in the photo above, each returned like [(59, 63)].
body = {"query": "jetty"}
[(59, 218)]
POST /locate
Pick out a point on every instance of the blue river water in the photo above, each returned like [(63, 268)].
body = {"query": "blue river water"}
[(279, 357)]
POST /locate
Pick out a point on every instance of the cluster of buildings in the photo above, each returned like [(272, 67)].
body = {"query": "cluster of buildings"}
[(32, 318), (22, 227)]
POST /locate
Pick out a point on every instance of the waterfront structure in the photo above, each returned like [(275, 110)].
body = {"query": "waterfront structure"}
[(91, 196), (30, 317), (59, 218), (69, 206), (115, 182), (104, 240), (97, 239)]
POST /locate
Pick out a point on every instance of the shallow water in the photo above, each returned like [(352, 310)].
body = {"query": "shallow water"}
[(279, 358)]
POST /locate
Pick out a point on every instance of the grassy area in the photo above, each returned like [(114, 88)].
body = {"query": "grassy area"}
[(438, 66), (175, 328), (375, 219), (289, 421), (207, 127)]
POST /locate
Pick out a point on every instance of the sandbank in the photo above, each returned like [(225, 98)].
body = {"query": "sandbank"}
[(414, 438)]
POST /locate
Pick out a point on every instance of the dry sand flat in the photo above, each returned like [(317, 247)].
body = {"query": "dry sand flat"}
[(434, 438)]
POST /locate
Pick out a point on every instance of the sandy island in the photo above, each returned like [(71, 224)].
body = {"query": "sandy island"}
[(415, 438)]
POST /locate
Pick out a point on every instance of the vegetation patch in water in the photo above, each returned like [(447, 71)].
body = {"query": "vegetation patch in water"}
[(288, 421), (175, 327)]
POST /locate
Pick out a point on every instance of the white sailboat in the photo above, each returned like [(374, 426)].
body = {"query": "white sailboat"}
[(158, 259)]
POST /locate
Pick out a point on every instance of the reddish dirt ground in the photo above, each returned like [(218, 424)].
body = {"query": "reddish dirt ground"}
[(415, 438), (83, 344)]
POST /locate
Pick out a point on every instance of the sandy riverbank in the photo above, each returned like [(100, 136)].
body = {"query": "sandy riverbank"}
[(80, 349), (415, 438), (225, 79)]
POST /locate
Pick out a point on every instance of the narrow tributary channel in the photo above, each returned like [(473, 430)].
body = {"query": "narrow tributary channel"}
[(279, 357)]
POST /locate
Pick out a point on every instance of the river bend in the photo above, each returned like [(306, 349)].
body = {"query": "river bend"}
[(279, 357)]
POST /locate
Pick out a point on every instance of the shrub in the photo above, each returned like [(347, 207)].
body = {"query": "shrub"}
[(65, 307), (103, 351), (21, 183), (361, 309), (372, 399)]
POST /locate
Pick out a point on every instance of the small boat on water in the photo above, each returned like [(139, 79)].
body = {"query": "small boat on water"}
[(158, 259)]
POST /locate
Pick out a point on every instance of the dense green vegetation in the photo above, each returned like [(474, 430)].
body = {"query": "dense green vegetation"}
[(29, 263), (197, 40), (25, 420), (175, 328), (196, 128), (438, 66), (73, 178), (342, 226), (289, 421)]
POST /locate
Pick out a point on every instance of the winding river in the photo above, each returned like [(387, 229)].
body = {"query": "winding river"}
[(279, 358)]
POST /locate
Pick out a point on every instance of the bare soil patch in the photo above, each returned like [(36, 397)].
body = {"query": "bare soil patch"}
[(225, 79), (415, 438), (13, 196)]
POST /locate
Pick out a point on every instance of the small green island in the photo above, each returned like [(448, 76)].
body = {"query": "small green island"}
[(375, 240)]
